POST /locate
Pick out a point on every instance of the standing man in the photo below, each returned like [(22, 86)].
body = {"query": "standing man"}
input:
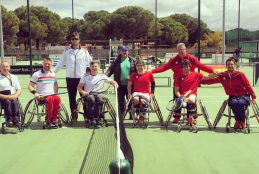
[(122, 67), (175, 64), (76, 58), (10, 90), (46, 84), (238, 88)]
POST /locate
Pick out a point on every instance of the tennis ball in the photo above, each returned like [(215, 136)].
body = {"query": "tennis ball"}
[(184, 104)]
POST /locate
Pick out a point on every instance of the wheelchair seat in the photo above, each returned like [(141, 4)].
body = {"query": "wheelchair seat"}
[(38, 108)]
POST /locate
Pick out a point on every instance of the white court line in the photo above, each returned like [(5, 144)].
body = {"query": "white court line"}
[(175, 126)]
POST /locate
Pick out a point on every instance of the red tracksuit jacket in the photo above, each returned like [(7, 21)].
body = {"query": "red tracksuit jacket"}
[(175, 64), (235, 84)]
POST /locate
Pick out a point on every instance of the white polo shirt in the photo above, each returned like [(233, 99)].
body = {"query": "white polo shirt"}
[(44, 82), (89, 81), (9, 83)]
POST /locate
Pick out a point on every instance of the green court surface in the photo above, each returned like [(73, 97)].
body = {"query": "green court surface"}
[(156, 149)]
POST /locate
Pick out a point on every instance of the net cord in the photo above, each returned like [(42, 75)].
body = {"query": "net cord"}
[(120, 155)]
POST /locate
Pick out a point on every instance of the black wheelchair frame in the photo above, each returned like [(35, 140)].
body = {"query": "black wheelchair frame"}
[(151, 107), (107, 108), (5, 124), (194, 124), (229, 115)]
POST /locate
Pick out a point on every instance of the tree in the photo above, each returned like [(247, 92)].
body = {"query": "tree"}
[(45, 25), (78, 23), (10, 26), (130, 22), (172, 32), (214, 39), (203, 44), (95, 25), (192, 26)]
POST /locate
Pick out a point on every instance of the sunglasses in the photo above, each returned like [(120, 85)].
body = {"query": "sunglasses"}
[(74, 39)]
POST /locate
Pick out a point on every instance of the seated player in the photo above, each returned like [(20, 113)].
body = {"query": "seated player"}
[(94, 101), (141, 80), (46, 84), (10, 90), (189, 81), (238, 88)]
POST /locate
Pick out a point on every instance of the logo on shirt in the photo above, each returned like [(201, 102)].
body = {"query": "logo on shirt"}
[(224, 78), (136, 76), (176, 62), (70, 52), (81, 53), (182, 78)]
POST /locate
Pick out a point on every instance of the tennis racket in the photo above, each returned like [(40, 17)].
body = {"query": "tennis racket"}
[(175, 104), (53, 94), (101, 86)]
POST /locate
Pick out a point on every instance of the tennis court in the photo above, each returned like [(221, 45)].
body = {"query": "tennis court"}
[(156, 149)]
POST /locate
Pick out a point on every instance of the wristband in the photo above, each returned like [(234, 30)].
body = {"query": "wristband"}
[(33, 92)]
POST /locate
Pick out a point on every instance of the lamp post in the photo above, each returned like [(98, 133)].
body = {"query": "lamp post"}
[(73, 15), (1, 35), (238, 28), (156, 29), (29, 27)]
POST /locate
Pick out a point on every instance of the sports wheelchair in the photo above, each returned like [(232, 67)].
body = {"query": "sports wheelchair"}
[(228, 125), (5, 124), (194, 127), (106, 108), (143, 112), (38, 108)]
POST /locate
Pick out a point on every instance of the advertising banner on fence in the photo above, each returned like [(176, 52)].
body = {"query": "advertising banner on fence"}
[(24, 69)]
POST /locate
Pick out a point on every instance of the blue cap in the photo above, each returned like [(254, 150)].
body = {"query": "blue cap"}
[(124, 48)]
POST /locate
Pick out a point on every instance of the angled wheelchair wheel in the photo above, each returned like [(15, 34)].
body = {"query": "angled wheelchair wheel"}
[(227, 127), (128, 106), (205, 114), (157, 110), (3, 130), (20, 110), (109, 108), (62, 114), (76, 111), (220, 113), (29, 112), (255, 110)]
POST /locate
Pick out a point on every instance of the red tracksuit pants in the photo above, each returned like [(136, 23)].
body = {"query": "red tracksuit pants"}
[(52, 107)]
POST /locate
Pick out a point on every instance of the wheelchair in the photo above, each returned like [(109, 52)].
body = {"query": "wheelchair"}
[(194, 127), (5, 124), (143, 112), (38, 108), (106, 108), (229, 115)]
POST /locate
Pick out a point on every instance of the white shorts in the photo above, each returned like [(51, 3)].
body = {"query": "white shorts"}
[(145, 97), (192, 97)]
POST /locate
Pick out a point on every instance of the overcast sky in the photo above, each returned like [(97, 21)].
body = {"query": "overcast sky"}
[(211, 10)]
